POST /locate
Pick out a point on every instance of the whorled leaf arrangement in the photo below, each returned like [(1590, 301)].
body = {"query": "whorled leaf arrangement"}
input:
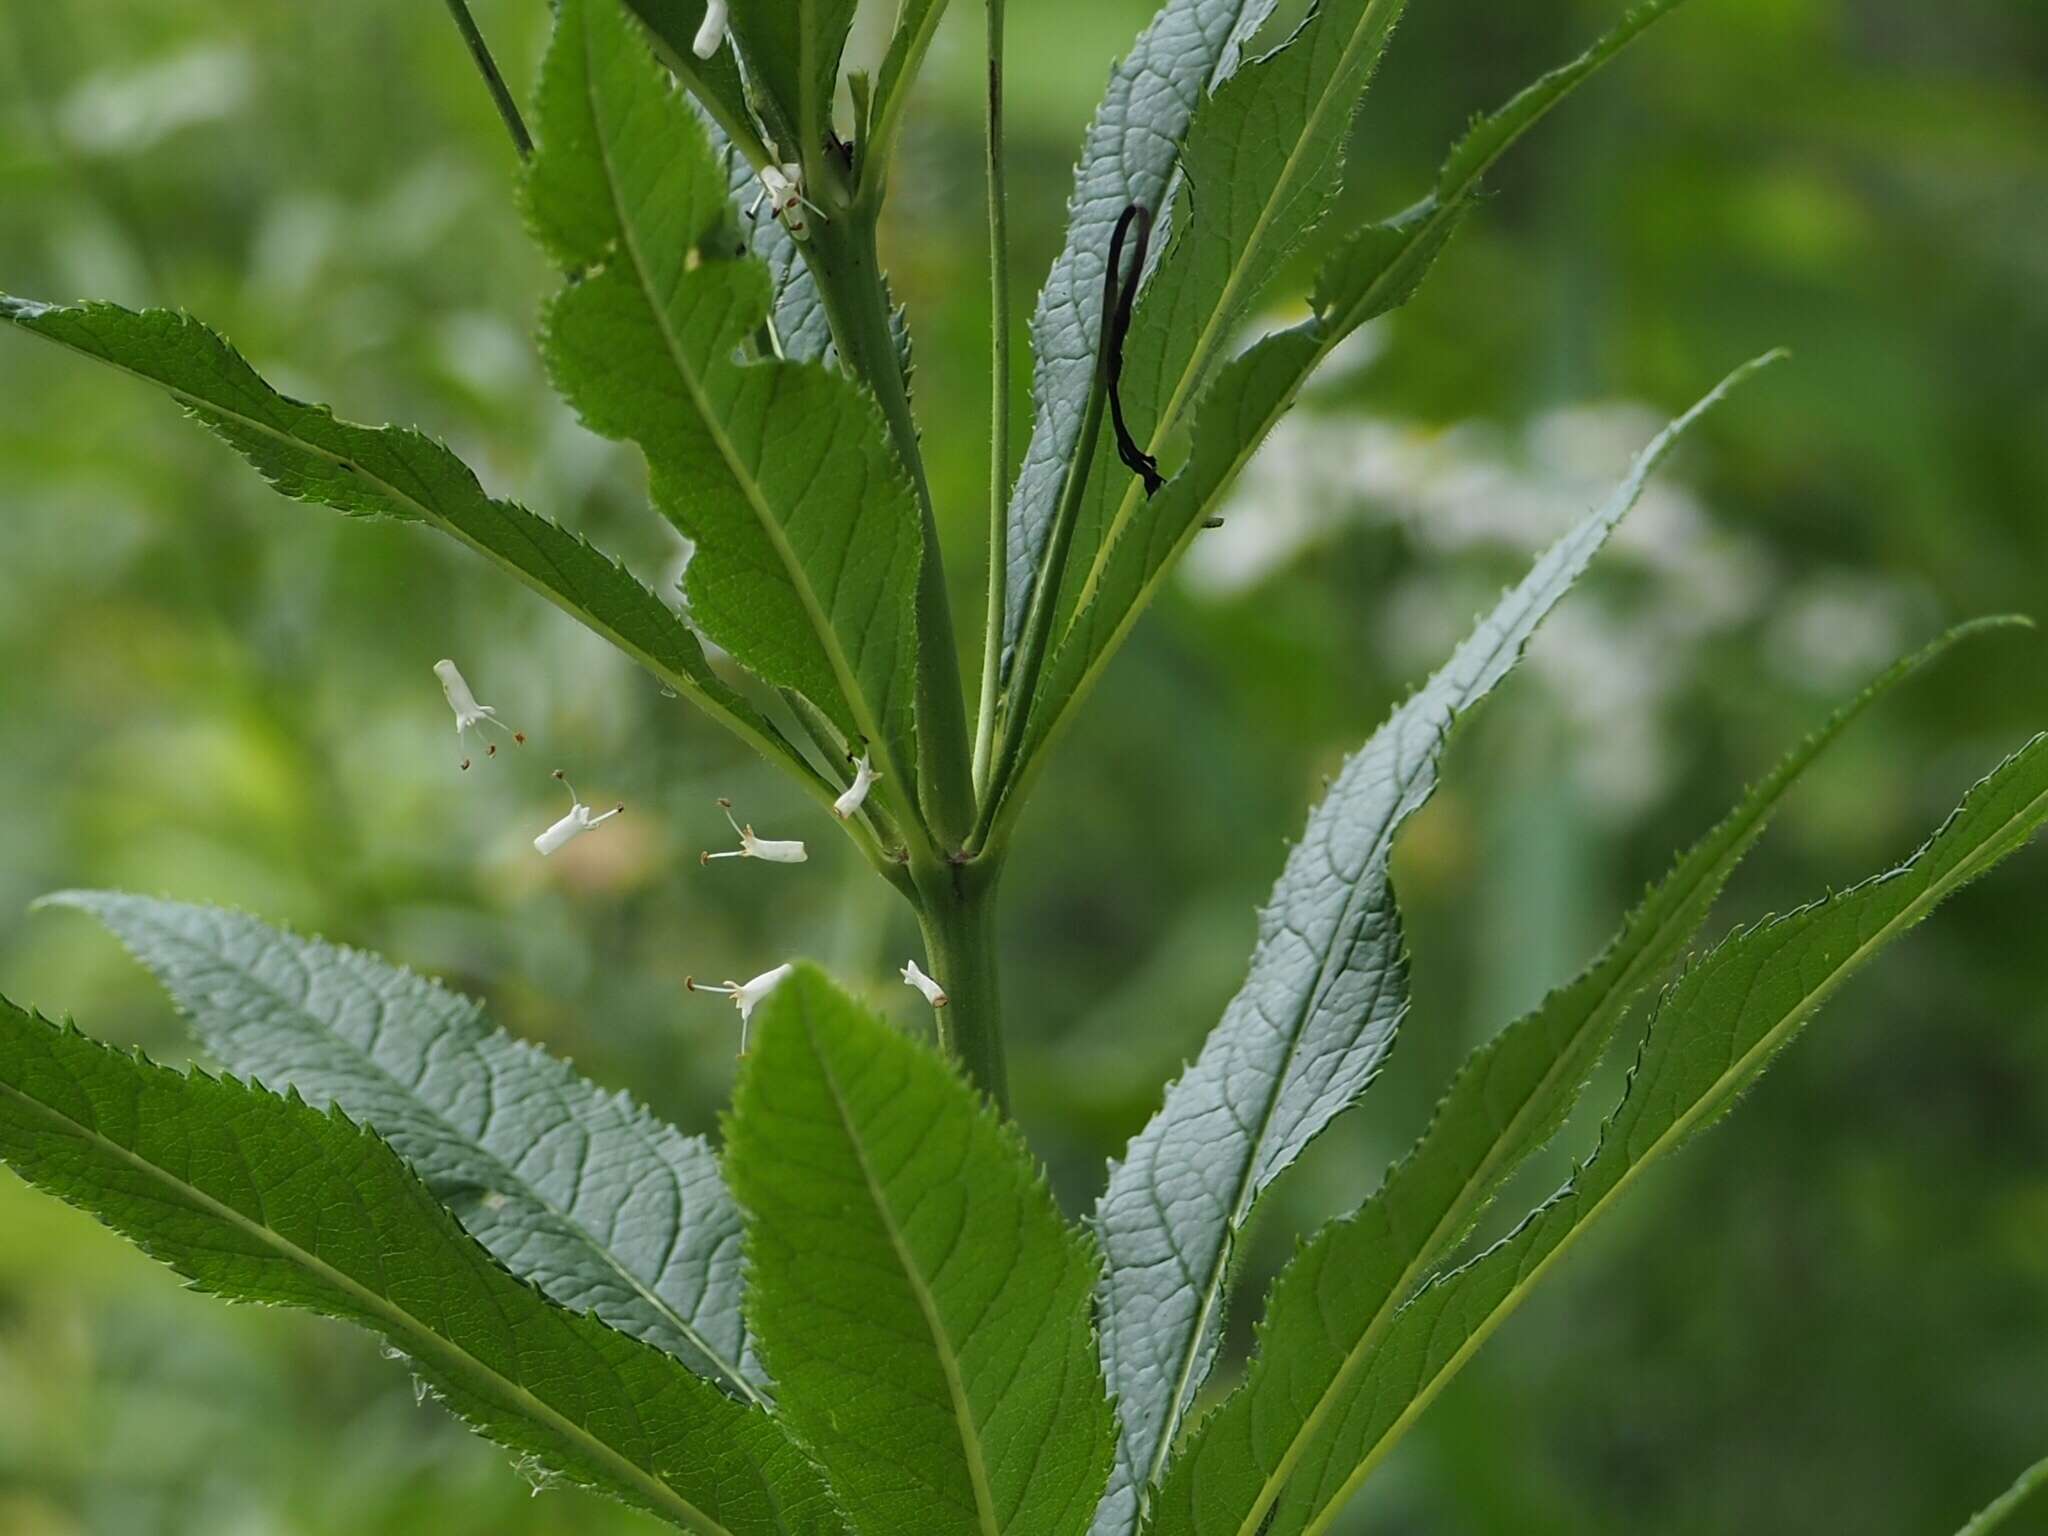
[(870, 1316)]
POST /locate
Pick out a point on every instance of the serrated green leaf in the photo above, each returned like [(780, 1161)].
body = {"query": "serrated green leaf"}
[(1132, 147), (1511, 1096), (794, 47), (258, 1198), (605, 1208), (808, 533), (308, 455), (916, 23), (1131, 541), (919, 1299), (1320, 1410), (1381, 266), (715, 82), (1302, 1039)]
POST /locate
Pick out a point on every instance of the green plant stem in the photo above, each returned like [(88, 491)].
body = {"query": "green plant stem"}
[(956, 912), (999, 408), (842, 256), (1994, 1514), (501, 96), (1032, 645)]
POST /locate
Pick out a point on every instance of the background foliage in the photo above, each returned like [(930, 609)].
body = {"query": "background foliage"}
[(1837, 1317)]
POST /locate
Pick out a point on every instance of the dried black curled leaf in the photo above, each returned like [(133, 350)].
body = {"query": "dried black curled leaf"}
[(1117, 300)]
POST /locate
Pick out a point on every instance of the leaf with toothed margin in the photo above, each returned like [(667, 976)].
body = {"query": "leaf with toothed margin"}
[(808, 534), (1135, 540), (1328, 1396), (922, 1303), (1303, 1038), (586, 1194), (258, 1198), (794, 48), (798, 326), (1132, 148), (1508, 1100), (309, 455)]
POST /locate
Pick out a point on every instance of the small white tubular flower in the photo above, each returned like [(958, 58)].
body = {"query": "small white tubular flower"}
[(572, 826), (856, 794), (933, 992), (774, 850), (746, 996), (712, 31), (470, 715), (782, 188)]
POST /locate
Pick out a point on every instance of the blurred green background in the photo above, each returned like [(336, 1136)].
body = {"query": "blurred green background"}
[(1833, 1316)]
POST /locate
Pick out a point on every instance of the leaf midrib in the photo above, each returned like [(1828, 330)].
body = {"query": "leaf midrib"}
[(927, 1304), (727, 1369), (688, 686), (750, 488), (1908, 915), (1247, 1186), (452, 1356), (1382, 1319)]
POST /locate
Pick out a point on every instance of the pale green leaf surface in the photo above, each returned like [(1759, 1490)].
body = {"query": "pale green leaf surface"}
[(922, 1304), (1511, 1096), (1302, 1039), (808, 534), (1319, 1411), (258, 1198), (1132, 147), (583, 1192), (308, 455), (1377, 270)]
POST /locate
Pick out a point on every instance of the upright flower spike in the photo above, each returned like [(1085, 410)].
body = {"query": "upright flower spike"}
[(470, 715), (856, 793), (774, 850), (711, 31), (933, 992), (579, 820), (745, 996)]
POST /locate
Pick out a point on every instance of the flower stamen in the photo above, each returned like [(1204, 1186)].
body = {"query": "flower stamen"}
[(470, 715)]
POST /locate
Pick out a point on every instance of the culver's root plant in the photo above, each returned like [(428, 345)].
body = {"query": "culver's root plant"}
[(865, 1313)]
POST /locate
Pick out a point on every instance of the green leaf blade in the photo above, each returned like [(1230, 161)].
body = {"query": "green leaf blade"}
[(1303, 1038), (922, 1304), (1134, 541), (604, 1207), (807, 529), (1327, 1422), (259, 1198), (307, 454), (1132, 147), (1509, 1098)]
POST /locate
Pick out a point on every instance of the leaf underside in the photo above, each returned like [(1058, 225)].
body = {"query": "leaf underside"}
[(1515, 1092), (582, 1192), (1302, 1039), (258, 1198)]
